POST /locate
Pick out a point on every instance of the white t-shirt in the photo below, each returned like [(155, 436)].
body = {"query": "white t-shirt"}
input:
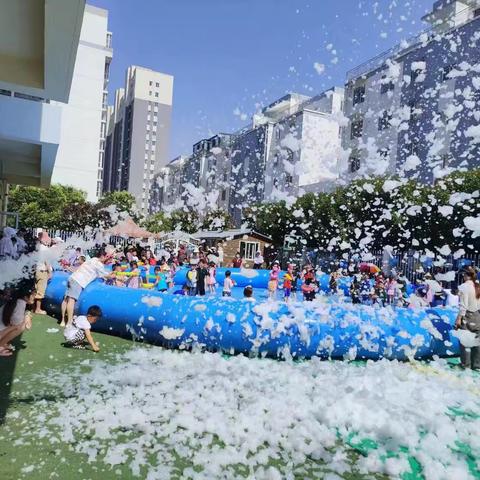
[(18, 314), (227, 285), (42, 265), (468, 299), (79, 323), (258, 260), (89, 271)]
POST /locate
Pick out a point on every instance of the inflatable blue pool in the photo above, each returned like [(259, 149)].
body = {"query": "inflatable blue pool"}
[(297, 330)]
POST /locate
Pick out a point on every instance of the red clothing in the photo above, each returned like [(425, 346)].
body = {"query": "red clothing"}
[(237, 263)]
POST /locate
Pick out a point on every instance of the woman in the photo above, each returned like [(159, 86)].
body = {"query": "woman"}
[(237, 261), (14, 318), (469, 316)]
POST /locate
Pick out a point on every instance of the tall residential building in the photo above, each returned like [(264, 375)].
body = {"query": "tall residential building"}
[(413, 110), (138, 134), (38, 47), (292, 147), (81, 151)]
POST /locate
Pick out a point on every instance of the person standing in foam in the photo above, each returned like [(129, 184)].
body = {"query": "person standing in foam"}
[(92, 269)]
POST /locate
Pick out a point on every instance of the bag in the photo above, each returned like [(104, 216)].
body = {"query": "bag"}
[(471, 321)]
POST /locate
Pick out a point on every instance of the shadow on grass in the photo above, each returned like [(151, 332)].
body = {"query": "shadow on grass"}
[(7, 370)]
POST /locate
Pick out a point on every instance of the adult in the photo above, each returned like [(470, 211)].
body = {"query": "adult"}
[(237, 261), (220, 254), (92, 269), (22, 246), (7, 247), (43, 271), (14, 318), (258, 260), (469, 317), (150, 258)]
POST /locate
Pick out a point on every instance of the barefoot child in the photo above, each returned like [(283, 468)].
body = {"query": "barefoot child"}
[(273, 281), (287, 284), (211, 280), (76, 333), (228, 284)]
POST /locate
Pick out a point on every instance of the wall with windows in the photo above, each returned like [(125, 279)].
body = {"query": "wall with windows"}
[(80, 154), (417, 114)]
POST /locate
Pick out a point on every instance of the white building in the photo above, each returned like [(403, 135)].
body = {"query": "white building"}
[(138, 148), (80, 155), (36, 67)]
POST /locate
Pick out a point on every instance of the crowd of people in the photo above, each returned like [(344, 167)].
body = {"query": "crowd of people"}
[(129, 267)]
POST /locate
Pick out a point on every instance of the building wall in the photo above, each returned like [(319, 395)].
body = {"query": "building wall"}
[(231, 247), (142, 132), (431, 110), (78, 155)]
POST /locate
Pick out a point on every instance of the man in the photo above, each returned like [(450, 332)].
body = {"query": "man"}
[(87, 272), (258, 260), (43, 271)]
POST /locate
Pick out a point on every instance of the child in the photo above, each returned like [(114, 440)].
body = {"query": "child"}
[(183, 291), (333, 284), (287, 284), (160, 280), (211, 280), (202, 274), (228, 284), (117, 279), (79, 330), (308, 289), (273, 282), (391, 289), (355, 291), (248, 294), (192, 280), (135, 280)]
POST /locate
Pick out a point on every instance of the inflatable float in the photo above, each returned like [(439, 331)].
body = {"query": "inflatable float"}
[(297, 330)]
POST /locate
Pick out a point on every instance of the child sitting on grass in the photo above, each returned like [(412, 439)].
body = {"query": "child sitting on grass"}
[(76, 333)]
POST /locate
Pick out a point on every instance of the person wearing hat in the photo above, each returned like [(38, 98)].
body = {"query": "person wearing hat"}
[(43, 271), (89, 271)]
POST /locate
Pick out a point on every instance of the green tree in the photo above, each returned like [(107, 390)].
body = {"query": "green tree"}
[(43, 208), (157, 223), (122, 201), (184, 220), (217, 220)]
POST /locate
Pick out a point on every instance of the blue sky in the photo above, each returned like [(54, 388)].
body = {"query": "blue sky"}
[(230, 57)]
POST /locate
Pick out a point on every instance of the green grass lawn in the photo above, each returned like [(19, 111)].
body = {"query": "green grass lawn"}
[(37, 352)]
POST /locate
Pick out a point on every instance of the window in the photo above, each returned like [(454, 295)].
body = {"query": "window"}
[(150, 93), (156, 94), (412, 148), (276, 160), (157, 84), (249, 249), (277, 133), (288, 180), (446, 72), (224, 194), (359, 95), (446, 159), (357, 128), (354, 162), (225, 176), (384, 153), (387, 85), (384, 120), (150, 83)]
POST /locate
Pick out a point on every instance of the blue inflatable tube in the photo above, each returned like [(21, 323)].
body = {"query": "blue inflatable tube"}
[(278, 330)]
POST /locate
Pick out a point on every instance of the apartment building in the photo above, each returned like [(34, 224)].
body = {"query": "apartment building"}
[(139, 132), (80, 156), (292, 146), (413, 110)]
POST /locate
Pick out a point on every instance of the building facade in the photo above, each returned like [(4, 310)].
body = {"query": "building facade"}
[(413, 110), (36, 68), (138, 133), (291, 147), (80, 156)]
